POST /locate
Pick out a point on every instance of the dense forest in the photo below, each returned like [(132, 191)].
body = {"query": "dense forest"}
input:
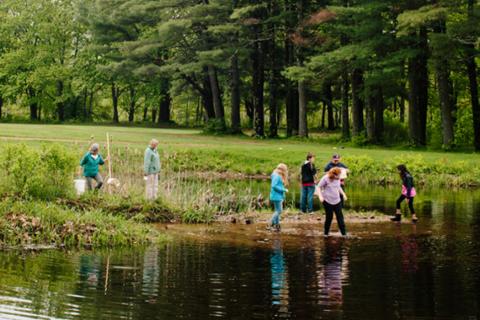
[(379, 71)]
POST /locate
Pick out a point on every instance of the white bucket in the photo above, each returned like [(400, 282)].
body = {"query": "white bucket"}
[(80, 185)]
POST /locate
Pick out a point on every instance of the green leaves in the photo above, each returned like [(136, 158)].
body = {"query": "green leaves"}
[(411, 20)]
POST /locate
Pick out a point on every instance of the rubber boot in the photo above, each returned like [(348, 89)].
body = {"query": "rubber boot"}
[(398, 216)]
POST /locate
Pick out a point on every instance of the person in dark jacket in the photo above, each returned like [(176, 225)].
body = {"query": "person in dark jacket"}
[(308, 184), (408, 193)]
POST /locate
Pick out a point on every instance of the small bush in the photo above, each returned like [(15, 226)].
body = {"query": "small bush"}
[(44, 173)]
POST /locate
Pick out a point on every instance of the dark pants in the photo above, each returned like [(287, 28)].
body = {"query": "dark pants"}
[(98, 178), (329, 210), (410, 203), (306, 201)]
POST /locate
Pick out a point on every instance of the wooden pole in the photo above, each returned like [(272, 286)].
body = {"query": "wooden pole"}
[(109, 163)]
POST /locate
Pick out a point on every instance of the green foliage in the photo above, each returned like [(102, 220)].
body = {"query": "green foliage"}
[(396, 132), (43, 174)]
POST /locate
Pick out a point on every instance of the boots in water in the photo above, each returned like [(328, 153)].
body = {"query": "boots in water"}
[(397, 218)]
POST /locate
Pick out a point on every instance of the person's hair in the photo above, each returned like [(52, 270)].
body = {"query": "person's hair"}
[(402, 169), (282, 171), (94, 147), (153, 141), (310, 156), (334, 173)]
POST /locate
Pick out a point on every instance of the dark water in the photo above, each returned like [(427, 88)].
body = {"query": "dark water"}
[(431, 271)]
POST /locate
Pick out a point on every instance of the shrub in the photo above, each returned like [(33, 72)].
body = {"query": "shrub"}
[(44, 173)]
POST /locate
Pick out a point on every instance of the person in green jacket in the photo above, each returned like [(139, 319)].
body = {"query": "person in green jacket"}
[(151, 168), (90, 164)]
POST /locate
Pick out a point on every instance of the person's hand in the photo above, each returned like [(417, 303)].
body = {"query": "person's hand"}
[(286, 190), (345, 198), (107, 158)]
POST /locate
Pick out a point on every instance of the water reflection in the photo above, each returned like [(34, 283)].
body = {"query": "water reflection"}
[(151, 273), (280, 294), (409, 247), (334, 273)]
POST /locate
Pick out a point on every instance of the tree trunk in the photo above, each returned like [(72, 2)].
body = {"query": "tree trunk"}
[(370, 117), (302, 110), (328, 97), (90, 105), (132, 107), (357, 102), (207, 98), (379, 104), (33, 104), (324, 111), (165, 105), (249, 110), (1, 107), (402, 109), (85, 103), (274, 73), (258, 79), (60, 104), (291, 99), (473, 81), (217, 99), (145, 113), (235, 94), (115, 93), (345, 113), (154, 115), (418, 83)]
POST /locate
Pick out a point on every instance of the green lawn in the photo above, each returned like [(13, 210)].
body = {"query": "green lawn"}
[(182, 139), (191, 150)]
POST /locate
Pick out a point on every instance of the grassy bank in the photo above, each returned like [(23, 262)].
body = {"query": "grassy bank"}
[(25, 223), (190, 151)]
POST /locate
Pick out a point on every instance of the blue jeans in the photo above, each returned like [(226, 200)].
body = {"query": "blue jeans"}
[(306, 199), (278, 210)]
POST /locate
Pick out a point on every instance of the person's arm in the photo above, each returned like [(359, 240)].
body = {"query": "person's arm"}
[(408, 181), (83, 162), (277, 184), (318, 189), (342, 193), (146, 161)]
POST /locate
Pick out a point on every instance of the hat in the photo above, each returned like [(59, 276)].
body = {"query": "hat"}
[(336, 157)]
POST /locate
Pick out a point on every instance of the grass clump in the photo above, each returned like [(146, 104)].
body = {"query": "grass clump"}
[(24, 222)]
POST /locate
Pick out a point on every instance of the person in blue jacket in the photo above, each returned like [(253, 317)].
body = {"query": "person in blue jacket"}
[(277, 194)]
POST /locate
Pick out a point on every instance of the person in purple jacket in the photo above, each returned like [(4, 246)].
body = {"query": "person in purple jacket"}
[(330, 195)]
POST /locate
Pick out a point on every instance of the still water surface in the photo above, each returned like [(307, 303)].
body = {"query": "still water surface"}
[(431, 271)]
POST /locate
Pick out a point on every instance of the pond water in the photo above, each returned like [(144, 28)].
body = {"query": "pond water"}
[(385, 271)]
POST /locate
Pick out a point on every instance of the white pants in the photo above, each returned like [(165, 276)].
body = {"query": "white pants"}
[(152, 187)]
